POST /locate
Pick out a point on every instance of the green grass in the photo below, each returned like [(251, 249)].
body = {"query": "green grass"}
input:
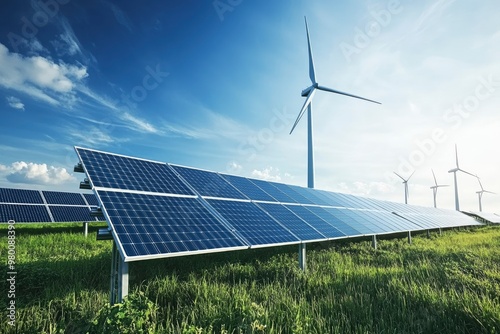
[(445, 284)]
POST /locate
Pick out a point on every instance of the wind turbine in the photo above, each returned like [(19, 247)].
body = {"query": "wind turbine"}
[(309, 94), (480, 194), (405, 182), (435, 187), (454, 171)]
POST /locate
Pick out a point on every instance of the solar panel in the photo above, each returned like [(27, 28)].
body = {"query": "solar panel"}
[(253, 223), (151, 225), (296, 196), (245, 186), (120, 172), (91, 199), (490, 217), (63, 213), (57, 197), (8, 195), (208, 183), (335, 221), (314, 197), (294, 223), (319, 224), (274, 192), (23, 213)]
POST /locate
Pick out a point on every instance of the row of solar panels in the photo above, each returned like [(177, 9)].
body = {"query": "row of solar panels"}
[(40, 206), (492, 218), (156, 210)]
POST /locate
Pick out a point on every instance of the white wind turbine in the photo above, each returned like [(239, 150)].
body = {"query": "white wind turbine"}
[(309, 94), (435, 187), (405, 182), (480, 194), (454, 171)]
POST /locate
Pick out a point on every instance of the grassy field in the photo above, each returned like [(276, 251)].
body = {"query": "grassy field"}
[(445, 284)]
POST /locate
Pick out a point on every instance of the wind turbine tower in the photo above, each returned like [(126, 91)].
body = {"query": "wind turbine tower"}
[(435, 187), (309, 94), (454, 171), (405, 182), (480, 194)]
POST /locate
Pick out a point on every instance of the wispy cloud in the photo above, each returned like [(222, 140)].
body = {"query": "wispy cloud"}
[(120, 16), (431, 15), (269, 173), (34, 173), (15, 102), (91, 136), (138, 124)]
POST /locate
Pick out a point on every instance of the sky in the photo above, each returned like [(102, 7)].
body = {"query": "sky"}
[(216, 85)]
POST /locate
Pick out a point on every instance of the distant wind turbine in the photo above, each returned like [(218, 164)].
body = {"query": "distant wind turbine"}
[(309, 94), (454, 171), (405, 182), (435, 187), (480, 194)]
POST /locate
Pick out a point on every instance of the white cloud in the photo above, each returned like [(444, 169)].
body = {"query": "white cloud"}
[(39, 77), (268, 173), (33, 173), (234, 167), (91, 136), (15, 103)]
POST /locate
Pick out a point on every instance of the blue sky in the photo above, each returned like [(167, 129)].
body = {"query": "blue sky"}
[(216, 85)]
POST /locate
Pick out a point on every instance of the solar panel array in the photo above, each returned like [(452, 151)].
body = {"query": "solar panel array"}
[(40, 206), (156, 210), (492, 218)]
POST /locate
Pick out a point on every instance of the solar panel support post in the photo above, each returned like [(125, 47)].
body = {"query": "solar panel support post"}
[(122, 279), (440, 231), (374, 241), (428, 233), (119, 277), (112, 292), (302, 257), (409, 237), (85, 229)]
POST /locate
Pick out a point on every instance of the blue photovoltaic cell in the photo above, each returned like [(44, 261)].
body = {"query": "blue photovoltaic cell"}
[(208, 183), (148, 225), (8, 195), (351, 217), (246, 187), (296, 225), (57, 197), (334, 221), (296, 196), (115, 171), (24, 213), (319, 224), (333, 199), (252, 223), (274, 192), (91, 199), (312, 195), (71, 213)]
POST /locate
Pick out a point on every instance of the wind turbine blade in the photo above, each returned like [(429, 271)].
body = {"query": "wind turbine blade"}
[(467, 172), (489, 192), (326, 89), (304, 108), (408, 179), (456, 155), (435, 181), (399, 176), (312, 74), (480, 184)]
